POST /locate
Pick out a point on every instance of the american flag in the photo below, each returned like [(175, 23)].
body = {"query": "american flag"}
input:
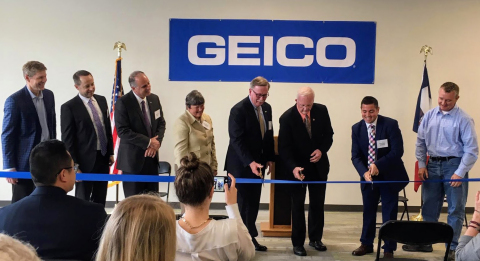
[(117, 92)]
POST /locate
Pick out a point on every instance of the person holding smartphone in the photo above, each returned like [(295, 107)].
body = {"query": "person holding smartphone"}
[(197, 234)]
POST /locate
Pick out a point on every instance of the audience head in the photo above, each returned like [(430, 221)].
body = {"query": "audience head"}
[(51, 165), (140, 84), (14, 250), (195, 103), (369, 108), (194, 181), (35, 74), (141, 227)]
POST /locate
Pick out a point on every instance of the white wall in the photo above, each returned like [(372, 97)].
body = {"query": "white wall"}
[(71, 35)]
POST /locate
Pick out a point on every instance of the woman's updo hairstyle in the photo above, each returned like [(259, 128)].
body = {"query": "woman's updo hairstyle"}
[(194, 180)]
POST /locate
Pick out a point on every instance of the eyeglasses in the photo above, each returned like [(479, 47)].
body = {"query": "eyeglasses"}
[(260, 95), (75, 168)]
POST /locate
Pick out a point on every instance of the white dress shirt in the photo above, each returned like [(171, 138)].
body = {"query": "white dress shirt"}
[(221, 240), (99, 112)]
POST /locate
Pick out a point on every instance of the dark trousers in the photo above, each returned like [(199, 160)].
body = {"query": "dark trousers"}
[(248, 200), (315, 212), (371, 197), (150, 167), (23, 188), (95, 191)]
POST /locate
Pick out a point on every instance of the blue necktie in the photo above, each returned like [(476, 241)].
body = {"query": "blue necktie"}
[(100, 130)]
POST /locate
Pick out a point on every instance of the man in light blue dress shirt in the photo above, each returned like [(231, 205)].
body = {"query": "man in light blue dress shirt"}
[(447, 135), (29, 118)]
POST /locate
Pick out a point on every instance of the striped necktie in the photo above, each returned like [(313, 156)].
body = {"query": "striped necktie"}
[(371, 145)]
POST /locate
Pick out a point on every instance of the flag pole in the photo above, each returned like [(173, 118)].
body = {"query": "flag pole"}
[(426, 50), (116, 93)]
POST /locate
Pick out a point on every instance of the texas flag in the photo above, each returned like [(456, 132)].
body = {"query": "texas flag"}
[(424, 103), (424, 100)]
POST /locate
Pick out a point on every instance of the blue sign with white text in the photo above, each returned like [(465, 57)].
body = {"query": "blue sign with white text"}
[(279, 50)]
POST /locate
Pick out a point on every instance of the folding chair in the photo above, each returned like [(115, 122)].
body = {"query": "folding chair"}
[(415, 233), (165, 168), (404, 200)]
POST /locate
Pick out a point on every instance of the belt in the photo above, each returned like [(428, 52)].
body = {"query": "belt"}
[(442, 158)]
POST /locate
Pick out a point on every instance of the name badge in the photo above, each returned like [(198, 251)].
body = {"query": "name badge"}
[(382, 144), (206, 125), (157, 114), (270, 125)]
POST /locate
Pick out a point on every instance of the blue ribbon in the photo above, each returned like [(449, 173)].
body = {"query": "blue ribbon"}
[(154, 178)]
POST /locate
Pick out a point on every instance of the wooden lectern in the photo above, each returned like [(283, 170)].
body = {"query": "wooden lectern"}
[(280, 222)]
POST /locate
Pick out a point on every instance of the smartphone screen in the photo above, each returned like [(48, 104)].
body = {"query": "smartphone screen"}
[(219, 183)]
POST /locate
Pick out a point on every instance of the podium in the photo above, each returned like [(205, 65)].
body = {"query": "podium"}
[(280, 220)]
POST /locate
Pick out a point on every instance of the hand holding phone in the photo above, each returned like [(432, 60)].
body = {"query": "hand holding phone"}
[(219, 183), (231, 190)]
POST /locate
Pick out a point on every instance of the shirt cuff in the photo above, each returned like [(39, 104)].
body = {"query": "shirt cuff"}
[(460, 172), (233, 212), (422, 164)]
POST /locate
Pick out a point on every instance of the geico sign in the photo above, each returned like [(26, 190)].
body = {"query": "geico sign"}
[(234, 50)]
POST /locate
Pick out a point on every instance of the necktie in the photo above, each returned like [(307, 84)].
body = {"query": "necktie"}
[(371, 145), (308, 126), (145, 120), (100, 130), (260, 119)]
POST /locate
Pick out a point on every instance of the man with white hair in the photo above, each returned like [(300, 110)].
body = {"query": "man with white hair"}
[(304, 138)]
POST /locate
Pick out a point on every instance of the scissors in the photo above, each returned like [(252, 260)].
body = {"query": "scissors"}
[(261, 176), (301, 174)]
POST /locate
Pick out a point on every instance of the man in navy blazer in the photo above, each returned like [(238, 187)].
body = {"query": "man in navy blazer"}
[(377, 150), (58, 226), (87, 133), (304, 138), (141, 127), (251, 150), (29, 118)]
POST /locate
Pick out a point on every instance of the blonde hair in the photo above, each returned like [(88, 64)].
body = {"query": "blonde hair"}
[(12, 249), (141, 227)]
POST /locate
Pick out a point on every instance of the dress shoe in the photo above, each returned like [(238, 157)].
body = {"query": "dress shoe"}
[(418, 248), (258, 247), (318, 245), (299, 251), (451, 255), (363, 250), (387, 254)]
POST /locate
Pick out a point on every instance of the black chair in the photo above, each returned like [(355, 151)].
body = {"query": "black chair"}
[(165, 168), (404, 200), (415, 233)]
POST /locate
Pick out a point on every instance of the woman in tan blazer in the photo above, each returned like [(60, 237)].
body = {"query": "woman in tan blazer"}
[(193, 132)]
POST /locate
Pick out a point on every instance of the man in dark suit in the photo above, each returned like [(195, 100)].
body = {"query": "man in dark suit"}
[(29, 118), (58, 226), (250, 150), (87, 134), (304, 138), (377, 149), (141, 127)]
